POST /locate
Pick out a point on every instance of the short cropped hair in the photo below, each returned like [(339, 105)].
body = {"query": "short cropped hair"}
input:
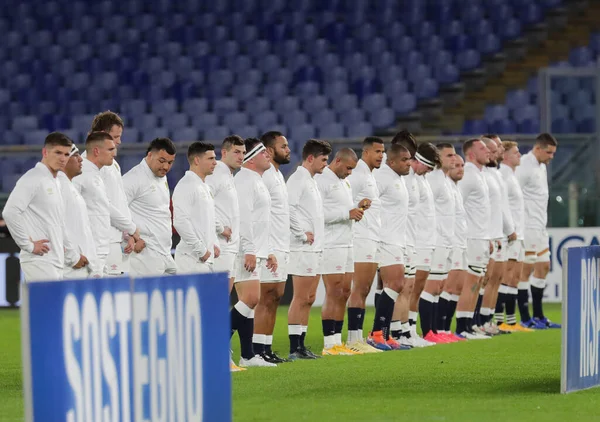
[(430, 152), (231, 141), (491, 136), (268, 138), (509, 144), (346, 153), (467, 145), (315, 147), (406, 139), (56, 139), (395, 150), (98, 136), (369, 141), (251, 143), (160, 144), (444, 145), (196, 149), (103, 122), (546, 140)]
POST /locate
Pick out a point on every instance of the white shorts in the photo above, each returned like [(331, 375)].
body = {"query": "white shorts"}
[(365, 250), (499, 254), (440, 263), (515, 251), (338, 261), (409, 261), (279, 276), (149, 263), (41, 271), (423, 259), (114, 261), (391, 255), (458, 257), (536, 241), (79, 274), (187, 264), (241, 274), (478, 256), (305, 264), (225, 263)]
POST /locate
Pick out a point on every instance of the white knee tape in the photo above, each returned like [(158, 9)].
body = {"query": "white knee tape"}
[(540, 283), (530, 259)]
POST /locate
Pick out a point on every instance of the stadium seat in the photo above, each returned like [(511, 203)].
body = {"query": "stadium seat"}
[(331, 131), (359, 130), (185, 134)]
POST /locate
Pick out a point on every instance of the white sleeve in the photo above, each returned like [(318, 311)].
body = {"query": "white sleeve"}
[(508, 223), (465, 186), (332, 213), (183, 205), (522, 174), (120, 221), (356, 183), (214, 190), (246, 203), (17, 203), (294, 194)]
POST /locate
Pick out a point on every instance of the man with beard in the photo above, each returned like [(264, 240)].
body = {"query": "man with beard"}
[(272, 283)]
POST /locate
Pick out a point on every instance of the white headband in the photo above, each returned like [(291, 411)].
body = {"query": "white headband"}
[(424, 161), (254, 152), (74, 150)]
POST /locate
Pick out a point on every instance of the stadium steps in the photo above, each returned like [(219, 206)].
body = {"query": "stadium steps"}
[(581, 19)]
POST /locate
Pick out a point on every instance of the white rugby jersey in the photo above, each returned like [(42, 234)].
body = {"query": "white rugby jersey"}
[(227, 209), (533, 179), (102, 214), (460, 219), (425, 221), (413, 199), (394, 206), (306, 211), (149, 199), (337, 203), (255, 213), (35, 211), (280, 209), (194, 217), (476, 200), (495, 191), (78, 225), (508, 224), (445, 208), (515, 199), (364, 185)]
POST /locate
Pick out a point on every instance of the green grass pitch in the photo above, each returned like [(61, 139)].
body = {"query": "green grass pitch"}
[(509, 378)]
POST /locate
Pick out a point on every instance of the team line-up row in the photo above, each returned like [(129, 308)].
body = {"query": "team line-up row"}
[(444, 236)]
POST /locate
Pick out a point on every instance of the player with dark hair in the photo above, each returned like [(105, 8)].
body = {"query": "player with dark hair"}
[(306, 244), (340, 213), (34, 215), (533, 179), (272, 283), (194, 213), (148, 196), (255, 216), (366, 241)]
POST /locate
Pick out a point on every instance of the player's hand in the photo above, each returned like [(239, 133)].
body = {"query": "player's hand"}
[(365, 204), (227, 233), (139, 246), (310, 238), (217, 251), (205, 257), (512, 237), (499, 245), (272, 263), (40, 247), (83, 261), (136, 235), (250, 263), (130, 244), (356, 214), (491, 247)]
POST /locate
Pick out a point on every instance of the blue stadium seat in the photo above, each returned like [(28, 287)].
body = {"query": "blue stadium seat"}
[(404, 103), (256, 105), (185, 134), (373, 102), (383, 118), (527, 112), (275, 90), (247, 131), (130, 135), (529, 126), (495, 113), (145, 122), (153, 133), (265, 119), (286, 104), (34, 137), (503, 126), (193, 107), (216, 133), (562, 125), (205, 120), (475, 127), (581, 56), (315, 104), (302, 132), (175, 121), (235, 119), (331, 130), (322, 118), (23, 124), (359, 130)]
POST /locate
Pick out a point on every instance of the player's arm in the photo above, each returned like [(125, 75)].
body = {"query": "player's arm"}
[(295, 188), (333, 212), (133, 188), (508, 224), (13, 213), (183, 208), (246, 203), (215, 188)]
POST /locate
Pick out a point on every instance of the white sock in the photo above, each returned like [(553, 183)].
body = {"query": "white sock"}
[(304, 329), (360, 334), (338, 338), (329, 342), (396, 326), (268, 340), (392, 294), (353, 336), (259, 338)]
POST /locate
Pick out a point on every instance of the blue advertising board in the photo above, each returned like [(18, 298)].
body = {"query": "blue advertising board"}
[(121, 349), (581, 319)]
